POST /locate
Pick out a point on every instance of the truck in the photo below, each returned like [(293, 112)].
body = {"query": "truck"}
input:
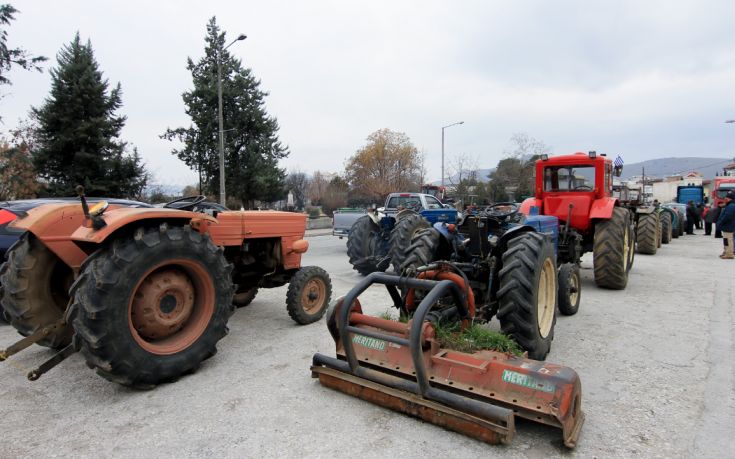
[(722, 184), (373, 236), (343, 219), (686, 193)]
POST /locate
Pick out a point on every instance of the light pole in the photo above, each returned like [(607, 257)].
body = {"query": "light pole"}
[(444, 127), (221, 121)]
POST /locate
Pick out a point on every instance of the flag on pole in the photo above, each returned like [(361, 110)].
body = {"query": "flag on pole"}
[(618, 161)]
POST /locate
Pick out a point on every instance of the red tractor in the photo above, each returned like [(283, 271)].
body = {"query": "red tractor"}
[(577, 189), (145, 293)]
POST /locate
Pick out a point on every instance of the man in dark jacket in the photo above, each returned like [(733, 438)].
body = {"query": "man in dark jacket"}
[(718, 209), (726, 223), (708, 218), (691, 217)]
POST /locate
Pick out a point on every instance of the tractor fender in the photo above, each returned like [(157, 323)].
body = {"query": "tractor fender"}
[(603, 208), (502, 244), (531, 202), (123, 217), (443, 230)]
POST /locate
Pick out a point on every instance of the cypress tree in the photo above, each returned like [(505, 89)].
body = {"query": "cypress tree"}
[(252, 147), (78, 134)]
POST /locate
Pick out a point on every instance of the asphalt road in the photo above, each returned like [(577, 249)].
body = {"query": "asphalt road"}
[(656, 363)]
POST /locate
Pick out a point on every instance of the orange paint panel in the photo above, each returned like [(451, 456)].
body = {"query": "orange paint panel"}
[(120, 217)]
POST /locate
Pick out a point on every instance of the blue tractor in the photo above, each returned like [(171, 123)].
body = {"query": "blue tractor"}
[(507, 263), (378, 239)]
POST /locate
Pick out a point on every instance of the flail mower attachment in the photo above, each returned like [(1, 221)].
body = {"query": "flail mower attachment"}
[(401, 366)]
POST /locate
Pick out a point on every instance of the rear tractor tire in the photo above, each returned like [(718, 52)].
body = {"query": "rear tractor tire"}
[(150, 307), (648, 234), (422, 250), (528, 293), (666, 231), (362, 245), (309, 293), (407, 227), (612, 245), (35, 284), (245, 297), (570, 289)]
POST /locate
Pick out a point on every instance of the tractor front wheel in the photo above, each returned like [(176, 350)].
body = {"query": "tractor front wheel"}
[(528, 293), (35, 284), (570, 289), (309, 293), (150, 307)]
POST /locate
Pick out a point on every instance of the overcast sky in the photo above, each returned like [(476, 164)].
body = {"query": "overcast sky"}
[(640, 79)]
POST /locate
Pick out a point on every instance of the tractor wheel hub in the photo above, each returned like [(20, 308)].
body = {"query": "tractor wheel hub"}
[(163, 304)]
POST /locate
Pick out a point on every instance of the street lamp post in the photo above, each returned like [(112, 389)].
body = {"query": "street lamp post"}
[(221, 121), (444, 127)]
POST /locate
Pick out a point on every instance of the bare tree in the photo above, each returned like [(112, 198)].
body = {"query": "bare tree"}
[(318, 187), (462, 167)]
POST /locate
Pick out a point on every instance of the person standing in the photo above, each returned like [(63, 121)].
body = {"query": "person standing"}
[(691, 217), (700, 213), (707, 221), (726, 223), (718, 209)]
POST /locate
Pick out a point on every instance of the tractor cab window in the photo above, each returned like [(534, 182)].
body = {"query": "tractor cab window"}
[(569, 178)]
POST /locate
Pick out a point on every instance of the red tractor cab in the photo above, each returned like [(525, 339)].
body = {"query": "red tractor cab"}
[(577, 189)]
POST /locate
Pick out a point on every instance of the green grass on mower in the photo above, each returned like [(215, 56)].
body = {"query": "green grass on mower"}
[(474, 338)]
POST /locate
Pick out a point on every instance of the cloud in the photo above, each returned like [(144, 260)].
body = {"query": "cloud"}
[(643, 79)]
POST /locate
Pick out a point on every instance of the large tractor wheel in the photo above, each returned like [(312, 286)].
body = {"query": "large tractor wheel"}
[(648, 234), (407, 227), (666, 235), (35, 284), (422, 250), (308, 295), (362, 245), (152, 306), (528, 293), (611, 255), (570, 289)]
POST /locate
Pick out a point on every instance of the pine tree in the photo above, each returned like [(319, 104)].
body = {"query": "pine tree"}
[(252, 147), (78, 131)]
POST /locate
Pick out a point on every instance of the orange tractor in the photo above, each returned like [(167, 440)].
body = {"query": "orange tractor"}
[(145, 293)]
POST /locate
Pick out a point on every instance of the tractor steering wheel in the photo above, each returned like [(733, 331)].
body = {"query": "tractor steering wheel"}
[(502, 209), (191, 202), (582, 187)]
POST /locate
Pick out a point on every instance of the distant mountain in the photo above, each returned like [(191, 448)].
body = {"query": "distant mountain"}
[(664, 167)]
